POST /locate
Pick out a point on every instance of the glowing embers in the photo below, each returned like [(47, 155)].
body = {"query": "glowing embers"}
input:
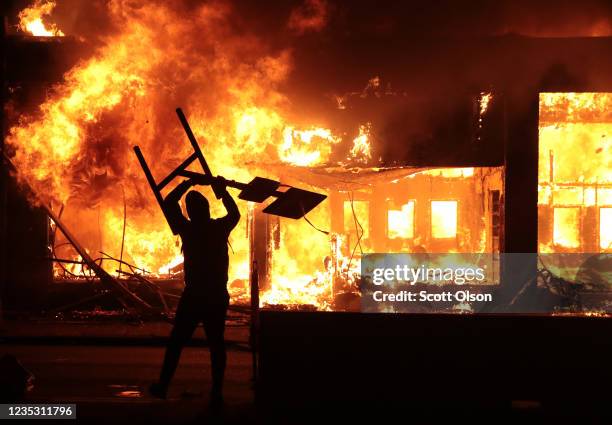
[(443, 219), (400, 223), (605, 228), (566, 227), (483, 102)]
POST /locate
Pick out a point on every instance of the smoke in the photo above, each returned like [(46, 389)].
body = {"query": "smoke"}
[(544, 18), (311, 16)]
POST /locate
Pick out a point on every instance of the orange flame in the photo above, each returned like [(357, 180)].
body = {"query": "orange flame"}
[(75, 150), (306, 147), (31, 19), (362, 150), (484, 101)]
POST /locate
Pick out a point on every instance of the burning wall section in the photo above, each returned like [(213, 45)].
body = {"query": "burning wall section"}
[(575, 173), (448, 210)]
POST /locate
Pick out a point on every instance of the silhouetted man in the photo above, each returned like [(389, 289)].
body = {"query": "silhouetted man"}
[(205, 298)]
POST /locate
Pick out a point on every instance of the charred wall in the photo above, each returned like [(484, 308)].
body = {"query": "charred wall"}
[(30, 67), (430, 79)]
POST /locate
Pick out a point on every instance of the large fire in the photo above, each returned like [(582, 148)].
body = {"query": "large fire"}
[(75, 150)]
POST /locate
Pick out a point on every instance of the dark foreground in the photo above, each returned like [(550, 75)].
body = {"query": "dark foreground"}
[(328, 372), (108, 384)]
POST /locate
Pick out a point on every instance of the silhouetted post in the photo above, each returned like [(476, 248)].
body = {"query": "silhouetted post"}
[(521, 189), (254, 315), (521, 161)]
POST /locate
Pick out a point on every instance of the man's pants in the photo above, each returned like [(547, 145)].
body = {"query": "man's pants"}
[(190, 312)]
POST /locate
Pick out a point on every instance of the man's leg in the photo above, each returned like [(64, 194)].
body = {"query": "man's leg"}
[(214, 326), (184, 324)]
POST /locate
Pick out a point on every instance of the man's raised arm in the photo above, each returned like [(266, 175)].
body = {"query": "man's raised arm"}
[(233, 214), (173, 209)]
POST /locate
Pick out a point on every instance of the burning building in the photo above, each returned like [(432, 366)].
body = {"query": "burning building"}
[(403, 209), (440, 139), (405, 167)]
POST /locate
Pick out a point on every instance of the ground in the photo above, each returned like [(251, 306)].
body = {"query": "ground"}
[(108, 383), (105, 368)]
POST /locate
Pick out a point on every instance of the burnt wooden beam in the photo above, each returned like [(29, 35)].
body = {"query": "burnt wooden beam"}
[(104, 276)]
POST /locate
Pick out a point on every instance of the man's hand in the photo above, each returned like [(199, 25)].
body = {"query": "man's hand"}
[(188, 182), (219, 184), (201, 179)]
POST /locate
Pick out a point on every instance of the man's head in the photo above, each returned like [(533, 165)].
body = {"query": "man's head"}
[(197, 207)]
